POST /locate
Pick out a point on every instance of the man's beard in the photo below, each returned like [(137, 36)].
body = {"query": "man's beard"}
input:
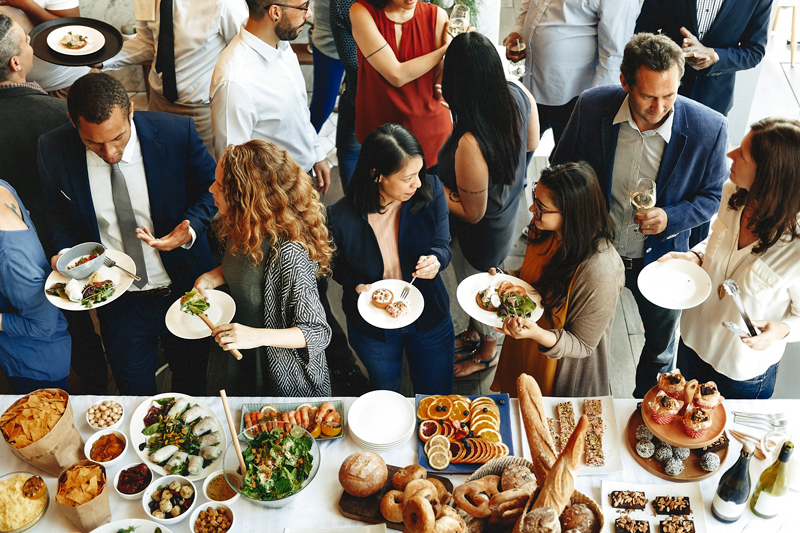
[(286, 32)]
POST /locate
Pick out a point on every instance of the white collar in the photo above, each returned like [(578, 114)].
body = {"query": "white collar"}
[(127, 155), (624, 115), (263, 49)]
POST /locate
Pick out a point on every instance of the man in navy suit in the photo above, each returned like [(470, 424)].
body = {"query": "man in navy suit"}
[(644, 129), (120, 179)]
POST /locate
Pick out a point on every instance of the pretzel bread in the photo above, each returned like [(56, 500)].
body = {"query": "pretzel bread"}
[(534, 419), (557, 489)]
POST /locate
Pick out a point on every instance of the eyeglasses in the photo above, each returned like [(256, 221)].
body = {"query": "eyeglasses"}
[(305, 7), (537, 207)]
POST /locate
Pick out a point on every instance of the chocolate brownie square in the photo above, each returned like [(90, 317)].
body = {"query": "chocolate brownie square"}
[(672, 505), (628, 499), (677, 524), (626, 524)]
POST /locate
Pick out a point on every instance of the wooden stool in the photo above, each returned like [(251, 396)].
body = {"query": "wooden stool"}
[(794, 4)]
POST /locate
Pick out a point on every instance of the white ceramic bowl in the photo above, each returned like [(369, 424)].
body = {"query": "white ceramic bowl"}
[(97, 406), (164, 482), (87, 449), (76, 252), (231, 475), (137, 495), (214, 505)]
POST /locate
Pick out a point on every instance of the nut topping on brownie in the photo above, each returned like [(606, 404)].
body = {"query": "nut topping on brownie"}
[(626, 524), (677, 524), (628, 499), (672, 505)]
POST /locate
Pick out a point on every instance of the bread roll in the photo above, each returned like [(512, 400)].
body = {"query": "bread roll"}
[(404, 476), (363, 474), (541, 520), (534, 418), (559, 485), (516, 476), (579, 518)]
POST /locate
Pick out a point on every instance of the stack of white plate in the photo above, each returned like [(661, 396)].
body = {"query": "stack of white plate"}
[(381, 420)]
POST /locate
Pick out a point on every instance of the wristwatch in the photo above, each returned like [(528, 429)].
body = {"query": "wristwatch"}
[(700, 255)]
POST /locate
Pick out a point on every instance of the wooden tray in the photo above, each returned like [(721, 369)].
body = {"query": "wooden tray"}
[(673, 432), (692, 470), (369, 509)]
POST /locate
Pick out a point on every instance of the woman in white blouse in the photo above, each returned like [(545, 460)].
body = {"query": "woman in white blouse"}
[(754, 241)]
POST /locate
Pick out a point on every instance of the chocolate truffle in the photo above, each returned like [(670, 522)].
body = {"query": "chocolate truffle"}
[(709, 462), (645, 448), (673, 467)]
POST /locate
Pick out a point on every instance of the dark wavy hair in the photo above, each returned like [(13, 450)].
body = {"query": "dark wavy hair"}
[(775, 194), (577, 195), (474, 86), (385, 151), (94, 96), (656, 52)]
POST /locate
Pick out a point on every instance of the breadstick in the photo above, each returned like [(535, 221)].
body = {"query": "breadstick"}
[(534, 418), (560, 483)]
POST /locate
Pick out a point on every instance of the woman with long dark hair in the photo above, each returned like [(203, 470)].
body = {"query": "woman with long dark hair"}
[(482, 167), (572, 263), (753, 241), (392, 224)]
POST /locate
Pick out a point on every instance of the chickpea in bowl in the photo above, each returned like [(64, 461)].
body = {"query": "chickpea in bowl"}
[(105, 414)]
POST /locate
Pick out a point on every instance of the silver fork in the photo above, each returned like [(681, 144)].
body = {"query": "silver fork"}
[(765, 416), (762, 423), (111, 263), (407, 288)]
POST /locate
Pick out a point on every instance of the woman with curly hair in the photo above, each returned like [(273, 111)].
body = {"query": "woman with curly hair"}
[(273, 226), (753, 241)]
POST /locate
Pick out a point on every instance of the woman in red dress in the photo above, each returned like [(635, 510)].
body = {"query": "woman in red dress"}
[(401, 44)]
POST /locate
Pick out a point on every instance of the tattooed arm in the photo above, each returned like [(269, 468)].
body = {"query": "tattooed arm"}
[(472, 180)]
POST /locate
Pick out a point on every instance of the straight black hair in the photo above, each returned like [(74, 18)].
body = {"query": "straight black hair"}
[(385, 151), (475, 87)]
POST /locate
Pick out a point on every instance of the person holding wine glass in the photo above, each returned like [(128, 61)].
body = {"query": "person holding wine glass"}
[(643, 200), (753, 241), (401, 44)]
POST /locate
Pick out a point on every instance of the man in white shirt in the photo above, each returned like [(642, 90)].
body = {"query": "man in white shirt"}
[(258, 90), (119, 179), (54, 79), (201, 31)]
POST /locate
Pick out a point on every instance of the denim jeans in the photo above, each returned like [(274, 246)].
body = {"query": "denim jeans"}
[(757, 388), (658, 353), (430, 357)]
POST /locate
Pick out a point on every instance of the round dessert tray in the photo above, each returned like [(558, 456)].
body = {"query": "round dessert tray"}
[(673, 432), (691, 471)]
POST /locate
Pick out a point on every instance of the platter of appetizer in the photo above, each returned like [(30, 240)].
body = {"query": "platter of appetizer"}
[(489, 299), (323, 420), (75, 40), (182, 316), (457, 434), (382, 307), (99, 289), (131, 525), (653, 507), (176, 434)]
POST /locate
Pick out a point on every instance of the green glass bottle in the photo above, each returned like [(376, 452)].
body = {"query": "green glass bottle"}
[(772, 485)]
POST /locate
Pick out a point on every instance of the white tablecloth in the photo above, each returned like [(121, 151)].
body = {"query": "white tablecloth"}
[(317, 506)]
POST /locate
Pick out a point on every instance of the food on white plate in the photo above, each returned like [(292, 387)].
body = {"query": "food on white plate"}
[(205, 425), (278, 463), (194, 465), (97, 292), (74, 290), (193, 303), (163, 454), (211, 520), (75, 41), (506, 299), (381, 298), (363, 474), (397, 309), (177, 462), (86, 258)]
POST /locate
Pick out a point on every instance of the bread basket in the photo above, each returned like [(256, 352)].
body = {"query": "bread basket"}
[(496, 467)]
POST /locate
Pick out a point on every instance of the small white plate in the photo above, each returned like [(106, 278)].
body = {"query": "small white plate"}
[(381, 418), (188, 326), (96, 40), (690, 490), (674, 284), (142, 526), (470, 287), (120, 279), (379, 317)]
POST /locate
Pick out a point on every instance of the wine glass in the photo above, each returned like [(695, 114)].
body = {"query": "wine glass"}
[(643, 199), (459, 19), (515, 53)]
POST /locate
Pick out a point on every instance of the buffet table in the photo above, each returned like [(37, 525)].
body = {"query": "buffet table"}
[(316, 507)]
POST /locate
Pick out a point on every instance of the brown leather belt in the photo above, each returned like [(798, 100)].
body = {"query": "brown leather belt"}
[(161, 292)]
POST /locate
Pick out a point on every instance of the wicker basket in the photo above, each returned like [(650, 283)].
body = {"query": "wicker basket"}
[(496, 467)]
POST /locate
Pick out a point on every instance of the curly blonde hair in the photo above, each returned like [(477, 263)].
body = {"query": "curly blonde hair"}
[(270, 197)]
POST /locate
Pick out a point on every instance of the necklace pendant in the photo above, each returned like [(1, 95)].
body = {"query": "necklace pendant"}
[(721, 291)]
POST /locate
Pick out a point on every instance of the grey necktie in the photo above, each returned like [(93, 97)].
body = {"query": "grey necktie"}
[(127, 223)]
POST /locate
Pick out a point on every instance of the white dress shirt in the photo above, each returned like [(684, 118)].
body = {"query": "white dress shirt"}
[(770, 289), (49, 76), (573, 45), (638, 155), (258, 92), (202, 29)]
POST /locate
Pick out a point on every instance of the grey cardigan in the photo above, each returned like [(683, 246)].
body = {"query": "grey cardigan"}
[(582, 345)]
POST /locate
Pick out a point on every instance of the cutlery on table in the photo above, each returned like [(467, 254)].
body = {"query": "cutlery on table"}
[(732, 288), (111, 263), (407, 288), (760, 422)]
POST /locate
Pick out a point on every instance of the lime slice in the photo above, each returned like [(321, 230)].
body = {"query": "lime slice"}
[(297, 432), (439, 460)]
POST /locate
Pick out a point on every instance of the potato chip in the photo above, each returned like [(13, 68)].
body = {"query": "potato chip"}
[(80, 484), (32, 417)]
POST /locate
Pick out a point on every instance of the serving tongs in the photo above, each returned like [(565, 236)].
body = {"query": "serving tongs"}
[(732, 288)]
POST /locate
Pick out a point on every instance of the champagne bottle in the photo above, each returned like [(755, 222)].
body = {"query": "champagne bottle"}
[(772, 485), (734, 488)]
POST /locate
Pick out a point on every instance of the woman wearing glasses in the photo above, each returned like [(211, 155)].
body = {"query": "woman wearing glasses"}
[(571, 262), (401, 44)]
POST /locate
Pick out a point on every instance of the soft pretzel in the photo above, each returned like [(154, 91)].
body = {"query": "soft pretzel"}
[(418, 515), (444, 496), (392, 506), (510, 499), (404, 476), (420, 484), (468, 496)]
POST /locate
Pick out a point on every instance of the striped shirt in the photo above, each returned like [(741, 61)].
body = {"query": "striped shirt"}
[(707, 11)]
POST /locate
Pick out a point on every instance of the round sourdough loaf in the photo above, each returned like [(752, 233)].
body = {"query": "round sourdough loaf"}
[(363, 474)]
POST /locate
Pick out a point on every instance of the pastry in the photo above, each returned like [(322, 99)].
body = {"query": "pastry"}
[(677, 524), (397, 309), (531, 408), (580, 518), (710, 462), (672, 383), (673, 467), (663, 452), (628, 499), (363, 474), (664, 408), (541, 520), (392, 506), (418, 515), (516, 476), (406, 475), (696, 421), (643, 433), (474, 496), (680, 453), (559, 485), (626, 524), (707, 396), (671, 505), (382, 297), (720, 444), (645, 449)]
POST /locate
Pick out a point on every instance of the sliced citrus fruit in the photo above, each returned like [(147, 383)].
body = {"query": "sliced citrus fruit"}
[(438, 449), (331, 430), (439, 460), (440, 408), (424, 403), (439, 440), (490, 435), (428, 429), (268, 409), (460, 411), (297, 432), (476, 427), (316, 430)]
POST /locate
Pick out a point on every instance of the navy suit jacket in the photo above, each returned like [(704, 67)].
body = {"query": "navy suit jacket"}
[(693, 166), (358, 257), (738, 35), (179, 171)]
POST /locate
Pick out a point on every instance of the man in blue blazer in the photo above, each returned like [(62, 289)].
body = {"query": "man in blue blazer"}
[(120, 179), (644, 129)]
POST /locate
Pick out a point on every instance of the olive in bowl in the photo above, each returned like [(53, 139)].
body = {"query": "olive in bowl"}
[(169, 499)]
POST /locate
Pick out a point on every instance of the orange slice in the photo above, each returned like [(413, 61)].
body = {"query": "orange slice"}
[(483, 417), (445, 406), (424, 403), (490, 435), (331, 430), (429, 429), (316, 430), (482, 425)]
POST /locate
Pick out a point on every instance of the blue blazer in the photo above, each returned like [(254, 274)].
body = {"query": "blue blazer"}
[(358, 257), (738, 35), (693, 166), (179, 172)]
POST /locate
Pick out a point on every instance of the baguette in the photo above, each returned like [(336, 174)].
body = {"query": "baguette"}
[(534, 418), (560, 483)]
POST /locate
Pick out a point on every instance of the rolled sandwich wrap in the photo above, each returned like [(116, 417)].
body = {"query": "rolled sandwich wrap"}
[(204, 426), (162, 454), (180, 405), (192, 414)]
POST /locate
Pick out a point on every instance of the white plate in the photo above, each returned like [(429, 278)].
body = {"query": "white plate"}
[(611, 439), (121, 282), (96, 40), (380, 318), (470, 287), (674, 284), (137, 438), (142, 526), (690, 490), (188, 326), (374, 528), (381, 418)]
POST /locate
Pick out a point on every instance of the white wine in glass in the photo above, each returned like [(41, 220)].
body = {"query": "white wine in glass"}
[(643, 199), (459, 19)]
